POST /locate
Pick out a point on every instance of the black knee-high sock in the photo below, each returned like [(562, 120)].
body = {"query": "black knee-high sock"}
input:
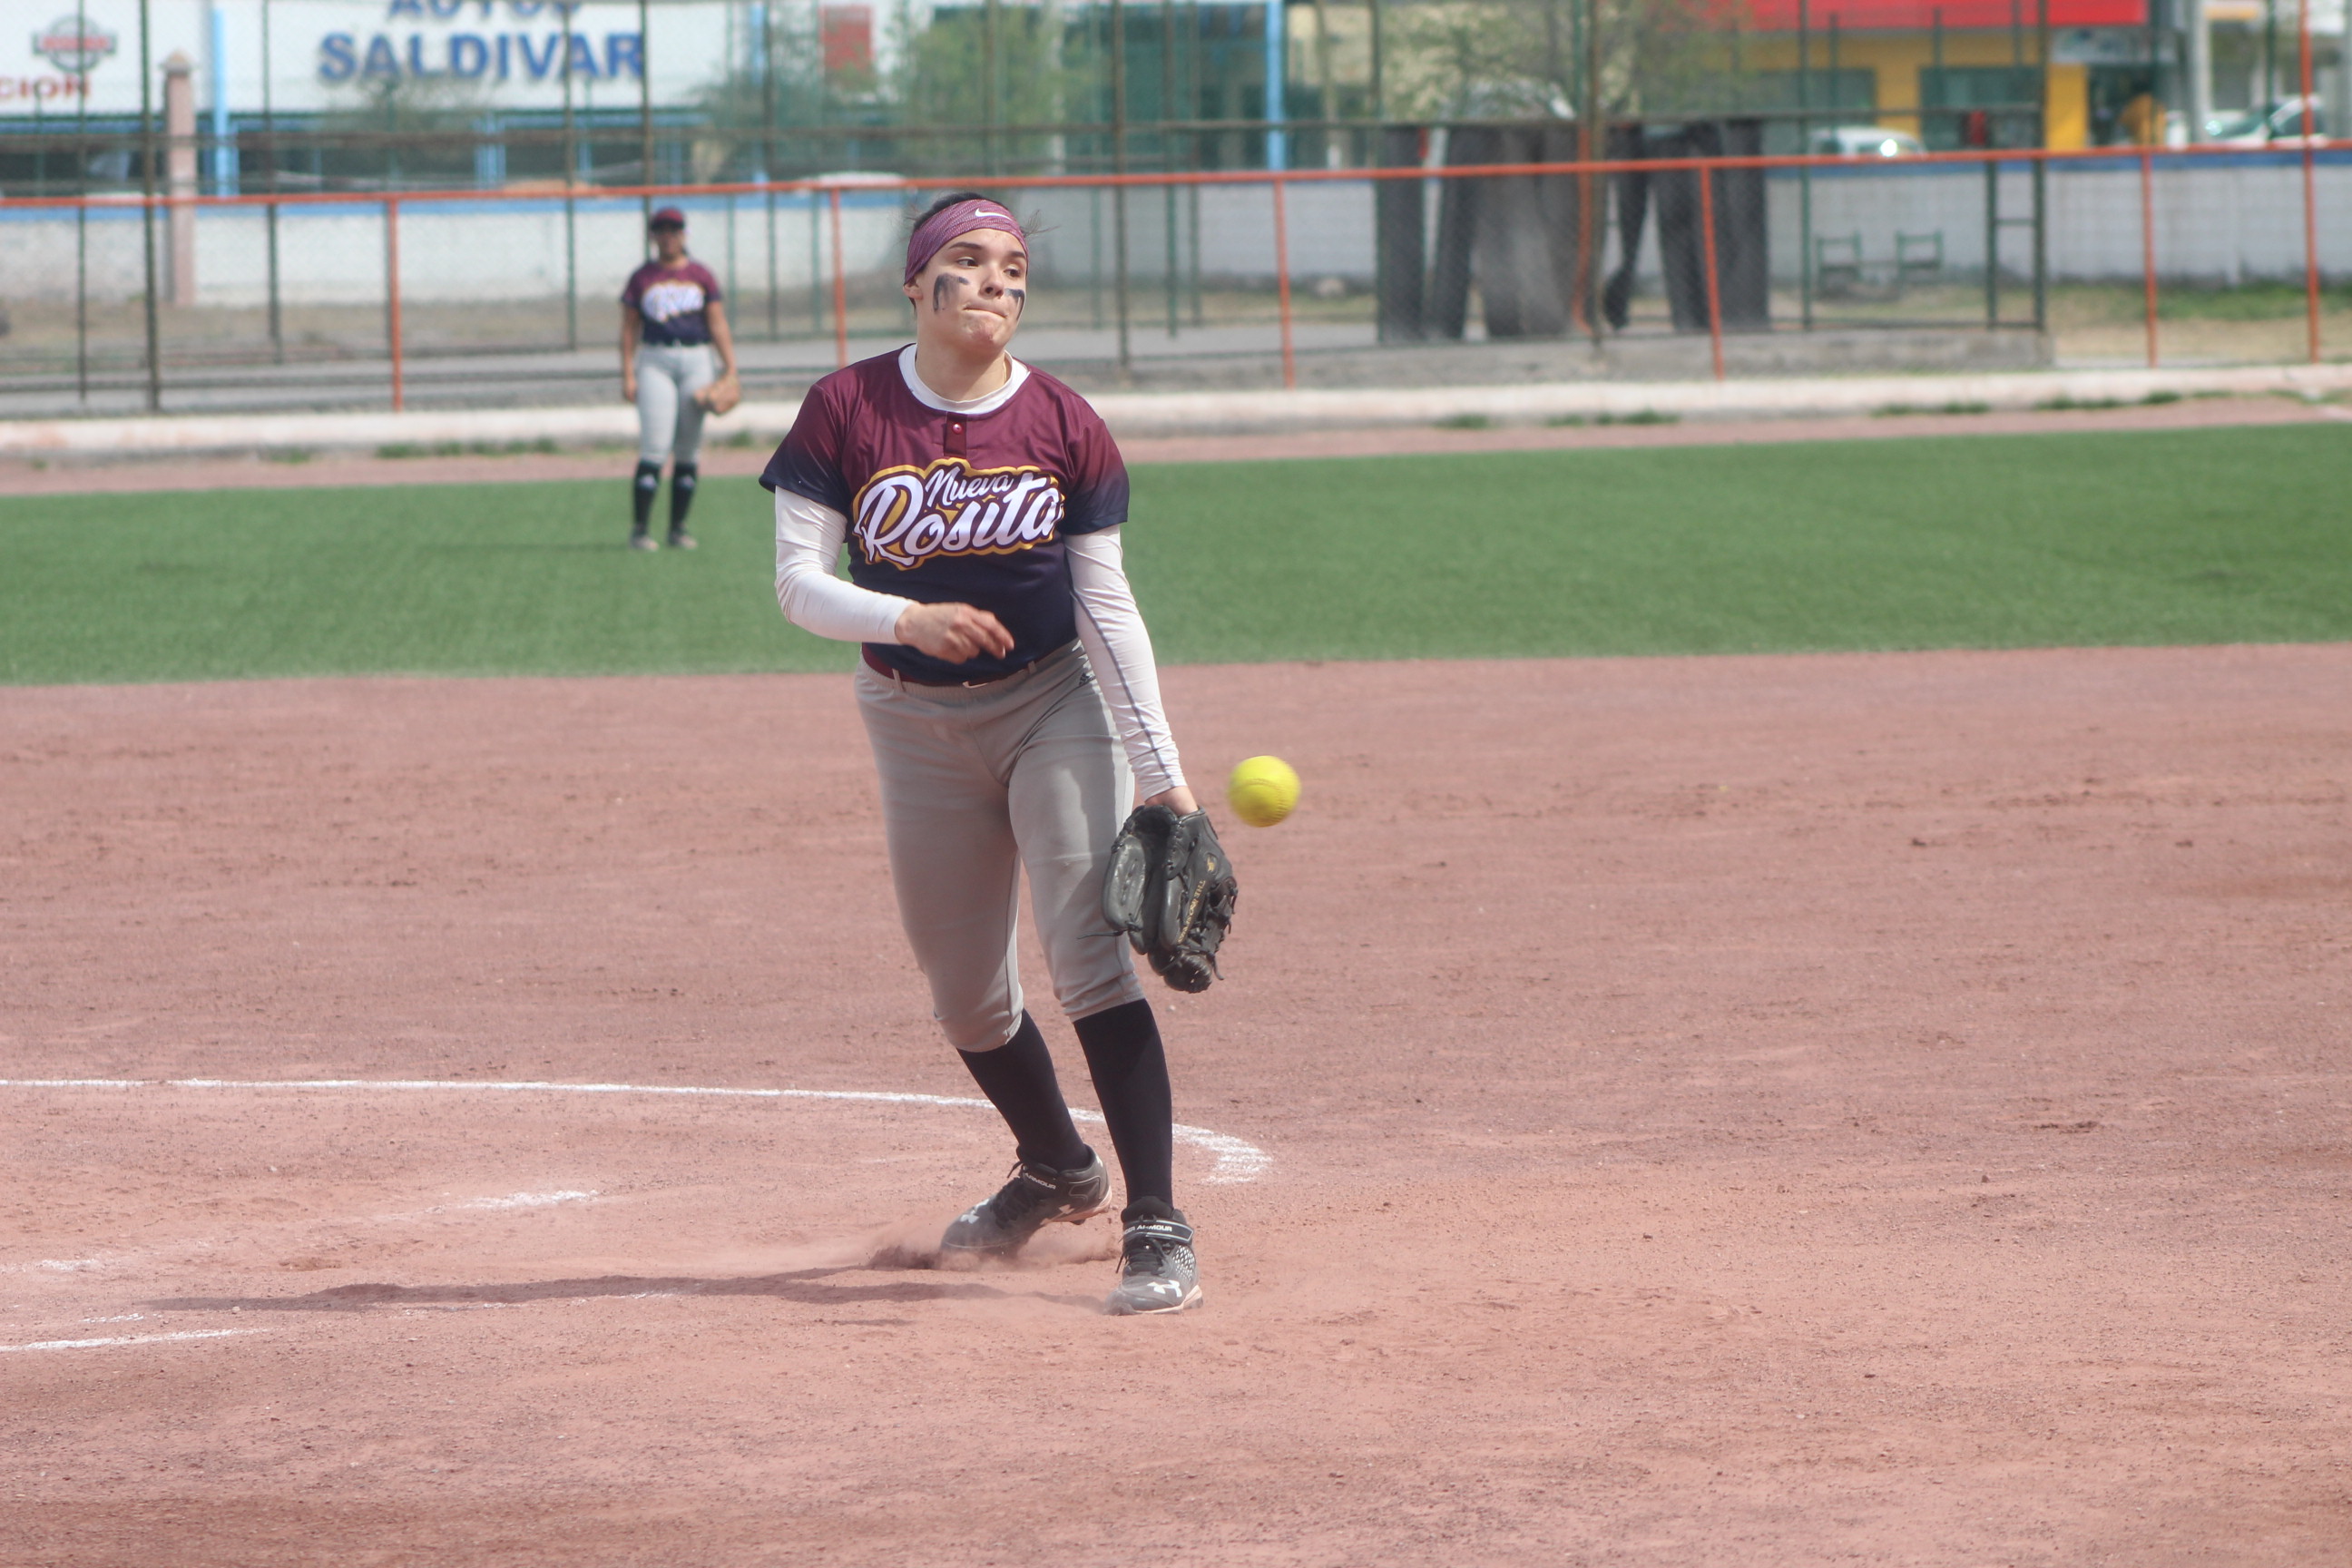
[(1130, 1073), (641, 496), (1018, 1078), (682, 493)]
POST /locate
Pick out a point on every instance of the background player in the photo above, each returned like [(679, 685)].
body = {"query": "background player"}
[(1009, 694), (672, 314)]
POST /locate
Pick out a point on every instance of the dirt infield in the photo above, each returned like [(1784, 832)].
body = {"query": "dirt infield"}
[(1737, 1111), (21, 477)]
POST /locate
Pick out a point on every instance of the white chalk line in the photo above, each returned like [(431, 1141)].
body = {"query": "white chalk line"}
[(512, 1201), (509, 1203), (1237, 1160), (129, 1340)]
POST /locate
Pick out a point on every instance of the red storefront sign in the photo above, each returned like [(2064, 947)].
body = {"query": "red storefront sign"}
[(1918, 15)]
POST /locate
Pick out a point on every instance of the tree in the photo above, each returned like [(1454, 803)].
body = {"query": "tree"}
[(1519, 58)]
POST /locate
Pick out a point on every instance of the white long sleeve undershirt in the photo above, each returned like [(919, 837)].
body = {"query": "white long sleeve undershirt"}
[(809, 537), (1111, 629)]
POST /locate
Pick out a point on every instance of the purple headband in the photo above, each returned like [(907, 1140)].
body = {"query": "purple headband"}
[(932, 234)]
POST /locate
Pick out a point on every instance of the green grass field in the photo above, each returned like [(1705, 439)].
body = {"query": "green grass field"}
[(2220, 535)]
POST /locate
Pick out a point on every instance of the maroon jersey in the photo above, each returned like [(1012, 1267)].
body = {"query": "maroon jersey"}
[(673, 304), (969, 509)]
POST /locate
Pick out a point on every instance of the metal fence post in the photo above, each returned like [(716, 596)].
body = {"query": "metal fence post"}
[(571, 202), (1714, 289), (1805, 171), (1119, 191), (391, 299), (645, 118), (1282, 284), (1093, 254), (147, 210), (817, 266), (81, 287), (773, 330), (1591, 142), (570, 266), (770, 175), (2148, 243), (1168, 150), (2042, 240), (768, 155), (840, 290), (2200, 63), (2041, 164), (269, 146), (2310, 203), (1992, 240), (1193, 249), (1172, 278), (81, 214)]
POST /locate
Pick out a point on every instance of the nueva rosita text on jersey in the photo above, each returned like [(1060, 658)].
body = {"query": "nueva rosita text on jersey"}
[(907, 515)]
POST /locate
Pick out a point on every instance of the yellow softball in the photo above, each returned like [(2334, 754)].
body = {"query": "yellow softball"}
[(1262, 791)]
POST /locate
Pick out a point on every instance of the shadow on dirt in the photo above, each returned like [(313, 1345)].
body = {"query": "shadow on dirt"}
[(809, 1286)]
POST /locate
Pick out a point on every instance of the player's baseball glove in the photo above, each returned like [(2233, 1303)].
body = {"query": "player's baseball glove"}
[(721, 395), (1171, 891)]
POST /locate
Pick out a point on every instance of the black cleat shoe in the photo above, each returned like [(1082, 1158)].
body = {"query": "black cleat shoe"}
[(641, 540), (1036, 1196), (679, 539), (1157, 1271)]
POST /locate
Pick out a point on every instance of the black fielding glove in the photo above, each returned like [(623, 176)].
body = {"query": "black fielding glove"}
[(1171, 889)]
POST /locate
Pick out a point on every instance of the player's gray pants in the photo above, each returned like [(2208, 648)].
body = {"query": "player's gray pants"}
[(668, 419), (978, 784)]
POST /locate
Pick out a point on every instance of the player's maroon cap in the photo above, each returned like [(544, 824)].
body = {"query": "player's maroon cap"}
[(931, 235), (666, 217)]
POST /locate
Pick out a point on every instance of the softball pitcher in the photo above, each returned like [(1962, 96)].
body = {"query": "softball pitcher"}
[(1008, 691)]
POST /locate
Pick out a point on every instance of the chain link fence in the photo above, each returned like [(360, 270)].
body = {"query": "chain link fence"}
[(1478, 261), (326, 202)]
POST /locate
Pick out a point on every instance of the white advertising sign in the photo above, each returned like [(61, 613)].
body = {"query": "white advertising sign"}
[(337, 54)]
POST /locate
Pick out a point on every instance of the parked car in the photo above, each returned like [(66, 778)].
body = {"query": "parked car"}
[(2281, 121), (1863, 142)]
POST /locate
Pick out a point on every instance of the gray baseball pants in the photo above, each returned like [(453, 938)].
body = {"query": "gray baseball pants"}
[(981, 784), (670, 421)]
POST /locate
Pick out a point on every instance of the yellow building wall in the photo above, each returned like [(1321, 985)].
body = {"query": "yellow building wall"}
[(1895, 61), (2066, 107)]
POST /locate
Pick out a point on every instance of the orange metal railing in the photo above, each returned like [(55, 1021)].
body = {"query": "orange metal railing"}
[(1279, 185)]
